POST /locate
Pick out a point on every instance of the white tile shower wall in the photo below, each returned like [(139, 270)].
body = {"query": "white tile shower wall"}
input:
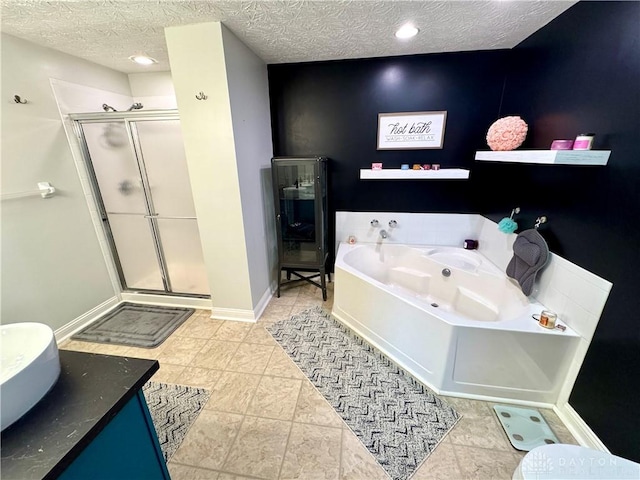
[(578, 296), (495, 245), (575, 294), (412, 228)]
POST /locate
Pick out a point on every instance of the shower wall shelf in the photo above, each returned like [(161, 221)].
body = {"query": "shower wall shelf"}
[(397, 174), (45, 190), (549, 157)]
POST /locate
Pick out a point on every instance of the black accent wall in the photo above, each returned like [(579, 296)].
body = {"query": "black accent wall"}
[(331, 108), (580, 73)]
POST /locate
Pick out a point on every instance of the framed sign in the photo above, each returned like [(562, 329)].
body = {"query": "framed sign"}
[(411, 130)]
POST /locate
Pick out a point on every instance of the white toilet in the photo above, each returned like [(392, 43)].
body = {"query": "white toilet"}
[(568, 462)]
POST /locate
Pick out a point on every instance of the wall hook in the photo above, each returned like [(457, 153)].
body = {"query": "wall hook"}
[(540, 221), (201, 96), (17, 99)]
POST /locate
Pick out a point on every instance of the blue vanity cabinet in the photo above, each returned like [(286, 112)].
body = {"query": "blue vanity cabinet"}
[(94, 424), (126, 448)]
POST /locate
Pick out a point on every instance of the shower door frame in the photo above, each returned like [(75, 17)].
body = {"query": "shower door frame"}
[(127, 118)]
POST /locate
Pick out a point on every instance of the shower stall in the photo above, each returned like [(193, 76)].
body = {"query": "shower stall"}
[(139, 176)]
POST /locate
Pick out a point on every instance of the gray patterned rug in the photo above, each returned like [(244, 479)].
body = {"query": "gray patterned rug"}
[(135, 325), (397, 418), (173, 409)]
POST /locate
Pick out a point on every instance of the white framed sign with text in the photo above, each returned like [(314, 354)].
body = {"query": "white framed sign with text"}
[(411, 130)]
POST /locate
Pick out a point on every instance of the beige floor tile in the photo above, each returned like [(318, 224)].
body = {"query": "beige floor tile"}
[(258, 334), (562, 432), (481, 464), (484, 432), (148, 353), (199, 327), (259, 448), (181, 350), (280, 365), (311, 292), (470, 408), (313, 453), (304, 303), (200, 377), (233, 392), (209, 440), (250, 358), (232, 476), (78, 346), (275, 313), (288, 295), (275, 398), (313, 408), (111, 349), (356, 462), (233, 331), (215, 354), (168, 373), (178, 332), (440, 465), (186, 472)]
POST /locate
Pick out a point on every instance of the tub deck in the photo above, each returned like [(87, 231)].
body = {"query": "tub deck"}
[(470, 333)]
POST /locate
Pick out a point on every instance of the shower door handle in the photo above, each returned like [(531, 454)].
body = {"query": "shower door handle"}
[(168, 217)]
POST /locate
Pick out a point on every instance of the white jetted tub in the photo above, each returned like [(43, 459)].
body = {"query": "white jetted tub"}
[(453, 319)]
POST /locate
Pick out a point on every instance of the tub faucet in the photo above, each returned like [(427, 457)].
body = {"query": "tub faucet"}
[(384, 234)]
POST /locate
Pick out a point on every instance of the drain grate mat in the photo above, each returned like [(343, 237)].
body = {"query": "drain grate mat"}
[(526, 428)]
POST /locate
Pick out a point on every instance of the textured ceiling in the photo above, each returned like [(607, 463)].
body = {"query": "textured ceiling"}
[(108, 32)]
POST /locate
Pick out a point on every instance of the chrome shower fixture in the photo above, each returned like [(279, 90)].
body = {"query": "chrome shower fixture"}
[(135, 106), (108, 108)]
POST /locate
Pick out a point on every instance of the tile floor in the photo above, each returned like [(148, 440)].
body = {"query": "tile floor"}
[(265, 420)]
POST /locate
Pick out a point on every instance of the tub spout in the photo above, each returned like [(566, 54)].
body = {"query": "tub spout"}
[(384, 234)]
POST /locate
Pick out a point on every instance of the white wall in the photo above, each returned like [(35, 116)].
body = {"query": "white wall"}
[(154, 90), (196, 54), (251, 120), (53, 270), (74, 98)]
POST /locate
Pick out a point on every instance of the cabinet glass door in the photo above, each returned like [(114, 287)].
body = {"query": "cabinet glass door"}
[(296, 191)]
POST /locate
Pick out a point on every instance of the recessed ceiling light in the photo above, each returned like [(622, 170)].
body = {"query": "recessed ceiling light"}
[(142, 60), (407, 31)]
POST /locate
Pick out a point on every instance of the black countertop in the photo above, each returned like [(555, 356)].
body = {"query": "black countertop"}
[(91, 390)]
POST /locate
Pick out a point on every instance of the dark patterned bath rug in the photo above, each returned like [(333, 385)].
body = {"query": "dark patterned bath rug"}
[(135, 325), (398, 419), (173, 409)]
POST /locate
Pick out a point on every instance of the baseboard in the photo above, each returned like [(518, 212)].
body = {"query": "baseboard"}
[(579, 428), (235, 314), (167, 300), (65, 332), (263, 302)]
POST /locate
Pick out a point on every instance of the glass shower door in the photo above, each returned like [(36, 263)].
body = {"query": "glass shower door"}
[(141, 172), (125, 205), (174, 214)]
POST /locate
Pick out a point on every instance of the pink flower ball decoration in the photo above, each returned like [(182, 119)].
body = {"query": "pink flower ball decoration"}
[(507, 133)]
